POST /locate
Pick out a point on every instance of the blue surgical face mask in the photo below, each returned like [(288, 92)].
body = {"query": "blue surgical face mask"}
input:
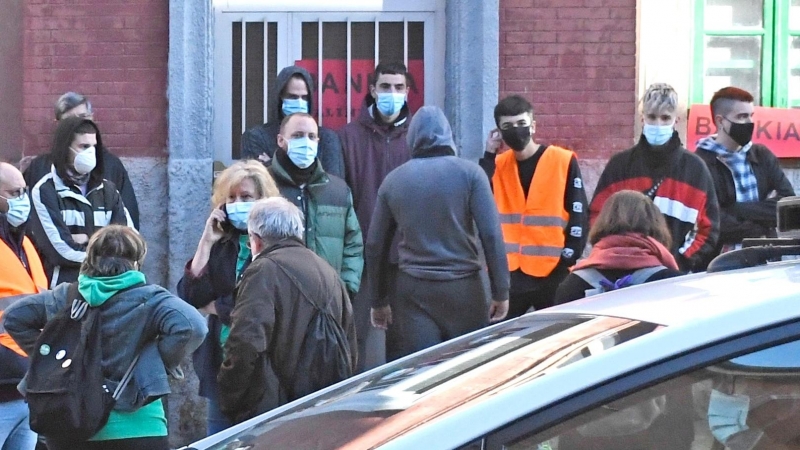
[(294, 105), (658, 134), (727, 415), (238, 212), (390, 103), (18, 210), (302, 151)]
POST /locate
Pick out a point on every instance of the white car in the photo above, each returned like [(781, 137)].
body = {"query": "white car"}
[(705, 361)]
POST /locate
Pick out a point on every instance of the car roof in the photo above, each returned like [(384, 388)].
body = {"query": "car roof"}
[(696, 309), (679, 300)]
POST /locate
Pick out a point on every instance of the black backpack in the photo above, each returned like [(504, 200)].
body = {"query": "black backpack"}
[(66, 389), (325, 357)]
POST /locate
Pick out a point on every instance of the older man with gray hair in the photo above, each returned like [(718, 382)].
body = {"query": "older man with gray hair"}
[(677, 181), (291, 308)]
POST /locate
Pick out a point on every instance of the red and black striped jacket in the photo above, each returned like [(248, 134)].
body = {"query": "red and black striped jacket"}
[(680, 185)]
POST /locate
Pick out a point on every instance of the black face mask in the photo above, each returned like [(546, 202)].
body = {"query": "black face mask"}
[(517, 137), (741, 133)]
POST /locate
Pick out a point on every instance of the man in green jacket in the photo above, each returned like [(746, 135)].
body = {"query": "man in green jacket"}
[(332, 229)]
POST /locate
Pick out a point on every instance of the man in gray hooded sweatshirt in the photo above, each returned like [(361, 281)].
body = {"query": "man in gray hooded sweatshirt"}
[(293, 92), (439, 205)]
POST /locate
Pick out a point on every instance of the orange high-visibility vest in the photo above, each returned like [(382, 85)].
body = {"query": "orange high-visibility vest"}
[(533, 229), (15, 280)]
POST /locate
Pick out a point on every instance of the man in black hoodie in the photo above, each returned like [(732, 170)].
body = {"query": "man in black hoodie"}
[(439, 205), (73, 104), (294, 93)]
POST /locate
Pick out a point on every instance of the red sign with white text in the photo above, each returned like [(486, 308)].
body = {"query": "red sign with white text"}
[(778, 129), (334, 87)]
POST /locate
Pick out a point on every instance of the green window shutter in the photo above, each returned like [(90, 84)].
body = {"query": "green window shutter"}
[(710, 42), (786, 85)]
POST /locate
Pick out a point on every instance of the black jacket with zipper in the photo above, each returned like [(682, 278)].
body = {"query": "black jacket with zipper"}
[(750, 219)]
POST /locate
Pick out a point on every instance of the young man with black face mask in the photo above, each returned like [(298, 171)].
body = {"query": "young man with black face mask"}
[(674, 178), (747, 177), (542, 203)]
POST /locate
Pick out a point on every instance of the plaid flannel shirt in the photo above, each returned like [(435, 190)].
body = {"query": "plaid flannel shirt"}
[(743, 177)]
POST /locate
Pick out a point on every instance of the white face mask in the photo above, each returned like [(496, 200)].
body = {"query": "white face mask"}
[(85, 160), (18, 210)]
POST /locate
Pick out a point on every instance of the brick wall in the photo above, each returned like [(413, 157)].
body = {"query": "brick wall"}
[(115, 52), (576, 61)]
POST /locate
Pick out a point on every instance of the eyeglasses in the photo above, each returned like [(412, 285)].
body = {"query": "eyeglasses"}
[(19, 194), (252, 235)]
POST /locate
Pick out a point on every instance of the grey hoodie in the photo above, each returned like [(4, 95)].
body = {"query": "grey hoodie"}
[(431, 130), (263, 139), (440, 205)]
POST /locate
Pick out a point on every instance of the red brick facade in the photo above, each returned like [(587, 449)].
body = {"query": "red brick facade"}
[(113, 51), (576, 61)]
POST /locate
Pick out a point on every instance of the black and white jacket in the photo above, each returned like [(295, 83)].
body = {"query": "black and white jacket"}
[(59, 211)]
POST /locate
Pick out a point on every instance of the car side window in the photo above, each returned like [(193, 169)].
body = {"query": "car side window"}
[(750, 402)]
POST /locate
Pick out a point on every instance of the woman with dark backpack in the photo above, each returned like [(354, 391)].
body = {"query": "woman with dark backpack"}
[(144, 332), (630, 245)]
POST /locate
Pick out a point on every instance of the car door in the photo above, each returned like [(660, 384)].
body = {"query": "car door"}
[(742, 393)]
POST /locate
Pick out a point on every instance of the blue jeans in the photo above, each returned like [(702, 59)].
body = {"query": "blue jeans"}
[(15, 433), (216, 421)]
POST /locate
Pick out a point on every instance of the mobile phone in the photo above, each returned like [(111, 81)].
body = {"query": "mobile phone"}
[(225, 225)]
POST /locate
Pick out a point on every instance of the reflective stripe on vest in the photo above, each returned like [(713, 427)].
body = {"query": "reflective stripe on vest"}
[(538, 221), (533, 227), (15, 280), (533, 250)]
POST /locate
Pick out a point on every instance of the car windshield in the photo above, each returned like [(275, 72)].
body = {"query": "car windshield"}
[(372, 408)]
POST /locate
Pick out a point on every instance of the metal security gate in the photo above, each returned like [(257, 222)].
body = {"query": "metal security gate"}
[(340, 40)]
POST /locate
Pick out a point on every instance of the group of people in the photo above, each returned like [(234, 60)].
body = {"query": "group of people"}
[(379, 226), (69, 224)]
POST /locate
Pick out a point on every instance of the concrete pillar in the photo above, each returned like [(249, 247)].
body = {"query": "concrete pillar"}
[(189, 175), (471, 72)]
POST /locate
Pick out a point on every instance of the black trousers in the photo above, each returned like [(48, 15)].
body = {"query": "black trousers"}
[(541, 297), (143, 443), (428, 312)]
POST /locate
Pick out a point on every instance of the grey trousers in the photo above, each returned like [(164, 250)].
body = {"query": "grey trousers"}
[(428, 312)]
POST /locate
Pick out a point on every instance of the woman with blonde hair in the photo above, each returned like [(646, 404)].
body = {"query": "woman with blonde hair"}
[(137, 319), (221, 257), (630, 245)]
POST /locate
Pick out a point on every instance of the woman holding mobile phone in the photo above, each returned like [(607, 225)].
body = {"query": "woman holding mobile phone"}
[(211, 275)]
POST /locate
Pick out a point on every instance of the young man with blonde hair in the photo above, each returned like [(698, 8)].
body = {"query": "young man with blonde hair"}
[(677, 181)]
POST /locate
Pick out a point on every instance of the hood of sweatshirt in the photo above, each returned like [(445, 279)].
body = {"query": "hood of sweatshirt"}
[(276, 113), (96, 290), (429, 131)]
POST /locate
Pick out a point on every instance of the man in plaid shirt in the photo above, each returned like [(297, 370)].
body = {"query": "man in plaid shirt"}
[(747, 177)]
